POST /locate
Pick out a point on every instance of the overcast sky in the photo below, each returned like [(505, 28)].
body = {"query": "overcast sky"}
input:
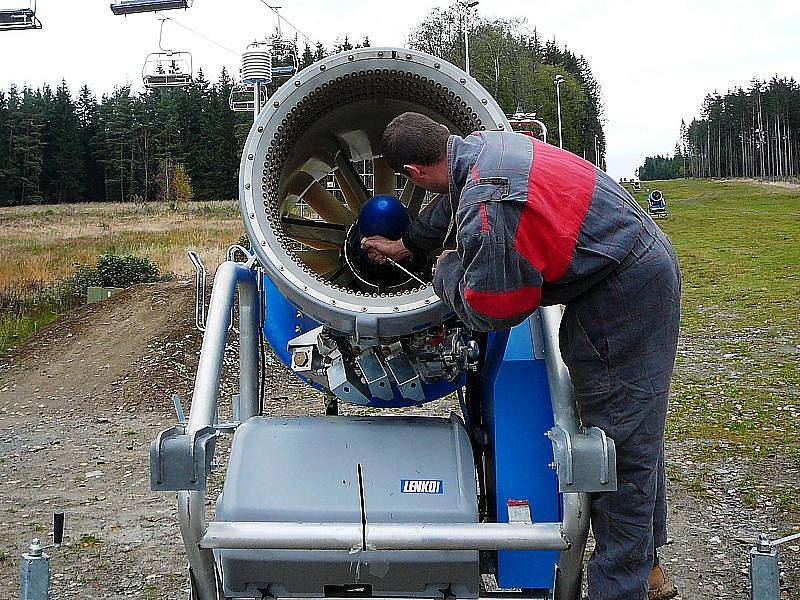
[(655, 60)]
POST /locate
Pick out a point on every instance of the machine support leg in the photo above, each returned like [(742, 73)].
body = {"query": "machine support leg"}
[(34, 576), (249, 332), (575, 505), (191, 505), (764, 573)]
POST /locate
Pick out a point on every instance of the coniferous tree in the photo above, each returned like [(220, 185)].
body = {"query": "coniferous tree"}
[(26, 145), (87, 112), (307, 58), (62, 174), (508, 58), (753, 132), (6, 194)]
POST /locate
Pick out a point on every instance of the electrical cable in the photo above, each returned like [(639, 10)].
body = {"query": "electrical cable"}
[(282, 18), (197, 33)]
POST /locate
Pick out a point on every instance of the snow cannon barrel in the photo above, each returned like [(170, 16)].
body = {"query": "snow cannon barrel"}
[(311, 164), (325, 124)]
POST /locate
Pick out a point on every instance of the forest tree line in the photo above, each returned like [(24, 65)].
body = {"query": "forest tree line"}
[(153, 145), (744, 133), (519, 68)]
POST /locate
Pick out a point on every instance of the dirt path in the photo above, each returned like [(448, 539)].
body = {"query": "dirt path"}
[(80, 402)]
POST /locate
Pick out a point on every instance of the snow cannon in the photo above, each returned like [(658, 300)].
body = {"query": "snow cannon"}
[(657, 204), (312, 181), (493, 497)]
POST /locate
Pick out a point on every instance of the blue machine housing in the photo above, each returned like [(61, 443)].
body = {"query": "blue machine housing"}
[(283, 322), (517, 412)]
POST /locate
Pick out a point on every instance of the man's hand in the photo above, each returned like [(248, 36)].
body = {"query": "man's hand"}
[(442, 256), (378, 248)]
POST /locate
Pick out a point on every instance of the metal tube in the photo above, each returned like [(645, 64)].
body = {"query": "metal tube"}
[(191, 505), (202, 569), (575, 506), (209, 368), (256, 99), (249, 332), (543, 127), (466, 43), (565, 413), (385, 536), (558, 100)]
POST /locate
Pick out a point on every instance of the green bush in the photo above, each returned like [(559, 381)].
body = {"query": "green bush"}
[(111, 270), (31, 305), (123, 271)]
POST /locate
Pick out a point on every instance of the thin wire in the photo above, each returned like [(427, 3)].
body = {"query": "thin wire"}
[(197, 33), (281, 17)]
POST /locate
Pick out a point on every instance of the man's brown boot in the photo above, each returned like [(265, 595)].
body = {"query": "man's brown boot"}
[(661, 586)]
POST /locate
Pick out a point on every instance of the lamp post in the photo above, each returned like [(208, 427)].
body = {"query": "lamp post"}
[(596, 148), (467, 6), (558, 81)]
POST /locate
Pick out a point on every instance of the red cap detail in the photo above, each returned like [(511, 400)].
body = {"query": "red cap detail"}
[(511, 502)]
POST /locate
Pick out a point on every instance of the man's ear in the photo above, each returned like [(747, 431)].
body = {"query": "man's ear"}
[(413, 170)]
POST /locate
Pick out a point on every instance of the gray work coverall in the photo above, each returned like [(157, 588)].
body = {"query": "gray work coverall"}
[(535, 225)]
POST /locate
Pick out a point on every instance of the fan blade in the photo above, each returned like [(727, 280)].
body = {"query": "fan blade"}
[(327, 205), (343, 276), (412, 197), (317, 234), (384, 177), (350, 183), (323, 262), (408, 190)]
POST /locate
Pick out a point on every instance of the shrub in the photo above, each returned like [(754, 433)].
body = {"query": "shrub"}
[(111, 270), (122, 271), (31, 305)]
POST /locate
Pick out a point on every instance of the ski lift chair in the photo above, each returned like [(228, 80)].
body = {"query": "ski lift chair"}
[(167, 68), (656, 204), (20, 18), (127, 7), (241, 98), (283, 50)]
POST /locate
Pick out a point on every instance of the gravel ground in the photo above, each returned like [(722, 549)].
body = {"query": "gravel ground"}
[(80, 402)]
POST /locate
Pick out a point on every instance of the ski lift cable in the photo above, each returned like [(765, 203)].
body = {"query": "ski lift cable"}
[(282, 18), (197, 33)]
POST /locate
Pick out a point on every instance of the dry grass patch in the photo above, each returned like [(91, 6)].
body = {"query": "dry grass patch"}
[(43, 243)]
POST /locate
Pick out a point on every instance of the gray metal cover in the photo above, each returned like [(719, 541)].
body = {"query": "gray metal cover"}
[(306, 470)]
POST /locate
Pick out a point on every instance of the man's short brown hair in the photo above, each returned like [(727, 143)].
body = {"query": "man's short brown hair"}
[(414, 139)]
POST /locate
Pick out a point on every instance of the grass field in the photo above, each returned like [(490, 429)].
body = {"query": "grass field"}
[(40, 245), (737, 386)]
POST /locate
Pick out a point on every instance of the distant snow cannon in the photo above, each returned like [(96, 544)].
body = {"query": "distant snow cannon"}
[(657, 204)]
